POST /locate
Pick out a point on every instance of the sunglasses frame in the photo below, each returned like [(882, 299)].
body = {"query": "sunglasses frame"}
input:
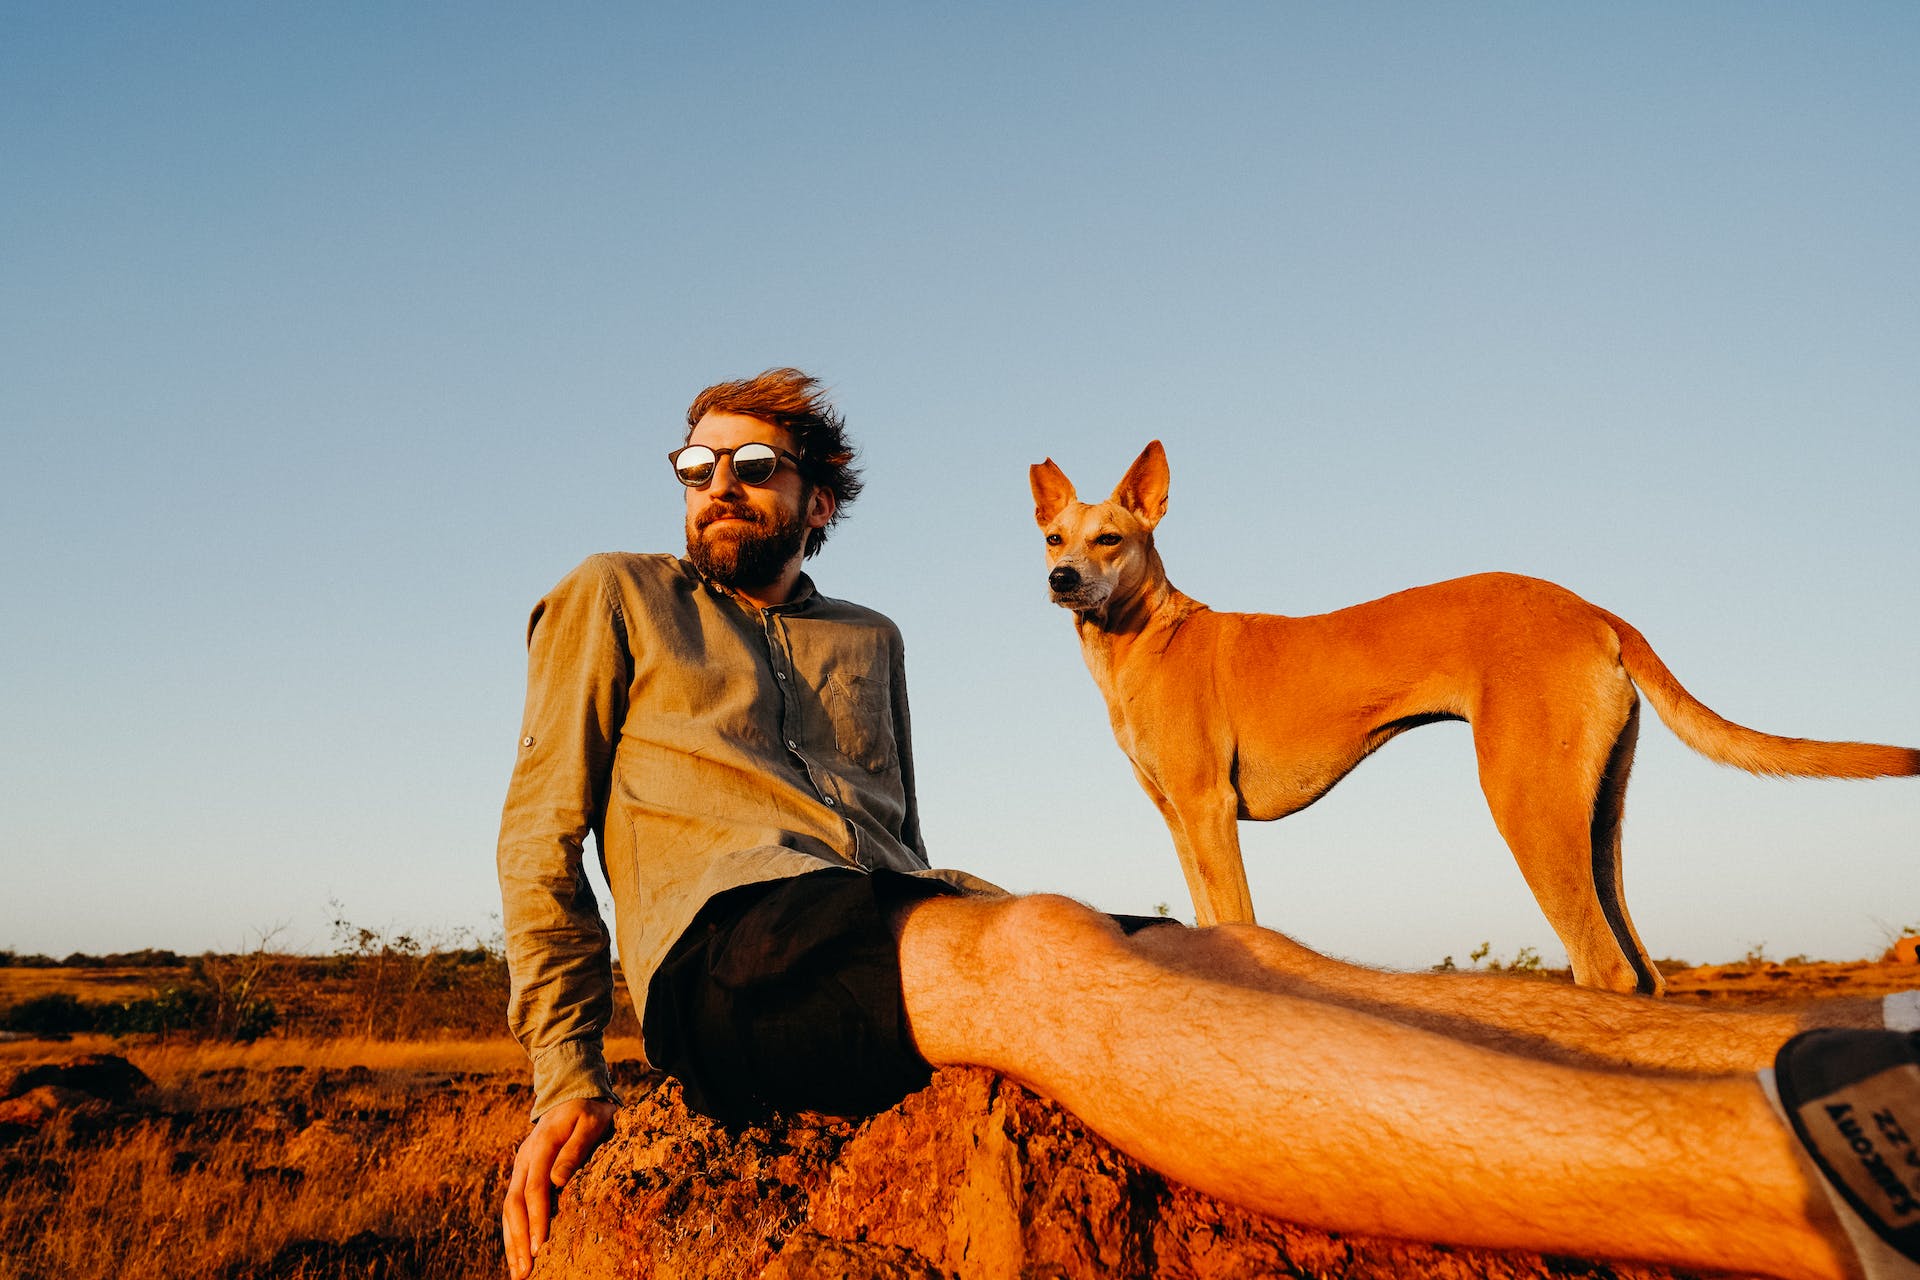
[(673, 459)]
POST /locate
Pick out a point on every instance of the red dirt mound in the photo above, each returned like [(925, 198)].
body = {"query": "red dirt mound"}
[(975, 1178)]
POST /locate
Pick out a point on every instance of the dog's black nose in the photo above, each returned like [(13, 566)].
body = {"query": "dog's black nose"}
[(1063, 579)]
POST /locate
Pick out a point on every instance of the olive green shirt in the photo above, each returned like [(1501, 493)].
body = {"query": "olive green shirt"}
[(706, 744)]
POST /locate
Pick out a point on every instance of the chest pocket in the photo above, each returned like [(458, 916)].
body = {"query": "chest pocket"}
[(862, 717)]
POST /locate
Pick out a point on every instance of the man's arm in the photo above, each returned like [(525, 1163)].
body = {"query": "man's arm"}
[(578, 668)]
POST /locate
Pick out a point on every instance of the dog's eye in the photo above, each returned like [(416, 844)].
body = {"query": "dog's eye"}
[(1107, 540), (1054, 539)]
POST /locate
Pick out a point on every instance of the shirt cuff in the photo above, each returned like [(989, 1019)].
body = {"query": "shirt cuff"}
[(568, 1070)]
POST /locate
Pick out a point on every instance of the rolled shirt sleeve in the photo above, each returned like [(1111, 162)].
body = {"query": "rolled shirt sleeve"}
[(561, 997)]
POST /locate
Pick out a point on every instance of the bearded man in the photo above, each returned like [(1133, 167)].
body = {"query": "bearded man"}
[(737, 743)]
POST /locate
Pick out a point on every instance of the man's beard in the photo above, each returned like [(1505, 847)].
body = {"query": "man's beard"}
[(740, 556)]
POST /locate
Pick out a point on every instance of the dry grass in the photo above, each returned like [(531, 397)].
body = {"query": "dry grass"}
[(369, 1136), (288, 1159), (18, 985), (311, 1155), (180, 1060)]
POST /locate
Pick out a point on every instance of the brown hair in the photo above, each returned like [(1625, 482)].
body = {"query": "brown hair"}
[(797, 403)]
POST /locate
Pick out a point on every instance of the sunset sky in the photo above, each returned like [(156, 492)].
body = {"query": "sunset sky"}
[(332, 335)]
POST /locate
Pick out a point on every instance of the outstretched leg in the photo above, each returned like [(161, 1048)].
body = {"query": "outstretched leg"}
[(1321, 1114), (1548, 1020)]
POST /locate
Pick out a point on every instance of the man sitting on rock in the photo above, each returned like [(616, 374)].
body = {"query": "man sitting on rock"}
[(738, 745)]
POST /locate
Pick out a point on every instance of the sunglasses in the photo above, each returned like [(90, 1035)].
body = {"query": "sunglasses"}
[(754, 463)]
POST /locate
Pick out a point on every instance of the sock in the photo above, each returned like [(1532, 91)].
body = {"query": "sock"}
[(1852, 1099), (1902, 1011)]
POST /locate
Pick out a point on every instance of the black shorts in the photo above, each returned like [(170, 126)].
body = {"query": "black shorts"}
[(785, 996)]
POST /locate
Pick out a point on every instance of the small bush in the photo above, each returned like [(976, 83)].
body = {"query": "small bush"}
[(59, 1014), (1526, 962), (196, 1008)]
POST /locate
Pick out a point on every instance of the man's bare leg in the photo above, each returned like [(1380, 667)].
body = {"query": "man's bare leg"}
[(1547, 1020), (1305, 1110)]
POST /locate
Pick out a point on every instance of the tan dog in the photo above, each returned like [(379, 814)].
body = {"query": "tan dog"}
[(1244, 715)]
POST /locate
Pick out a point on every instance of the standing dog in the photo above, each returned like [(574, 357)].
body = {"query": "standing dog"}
[(1246, 715)]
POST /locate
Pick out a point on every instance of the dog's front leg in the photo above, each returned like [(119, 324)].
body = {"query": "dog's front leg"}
[(1208, 842), (1206, 835)]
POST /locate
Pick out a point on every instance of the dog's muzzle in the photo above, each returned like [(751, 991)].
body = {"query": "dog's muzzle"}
[(1072, 589)]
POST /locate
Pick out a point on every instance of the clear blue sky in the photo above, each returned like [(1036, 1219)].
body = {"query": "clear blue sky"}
[(331, 336)]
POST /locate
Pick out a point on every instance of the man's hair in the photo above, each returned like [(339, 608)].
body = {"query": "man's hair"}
[(795, 402)]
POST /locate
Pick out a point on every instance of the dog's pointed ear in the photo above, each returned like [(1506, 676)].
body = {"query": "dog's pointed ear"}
[(1143, 490), (1052, 491)]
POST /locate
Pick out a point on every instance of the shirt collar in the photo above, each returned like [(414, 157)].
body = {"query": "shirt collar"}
[(801, 600)]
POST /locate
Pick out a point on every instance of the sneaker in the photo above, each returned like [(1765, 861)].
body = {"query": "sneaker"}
[(1853, 1099)]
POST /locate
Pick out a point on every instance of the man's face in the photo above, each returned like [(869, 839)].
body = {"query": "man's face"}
[(745, 536)]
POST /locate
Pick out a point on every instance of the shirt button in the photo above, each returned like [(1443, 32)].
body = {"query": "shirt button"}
[(792, 745), (779, 675), (829, 801), (527, 741)]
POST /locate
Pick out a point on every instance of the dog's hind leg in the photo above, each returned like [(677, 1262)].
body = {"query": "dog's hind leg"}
[(1609, 808), (1555, 779)]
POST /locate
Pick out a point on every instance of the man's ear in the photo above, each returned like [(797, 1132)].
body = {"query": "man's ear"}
[(1052, 491), (821, 504), (1143, 490)]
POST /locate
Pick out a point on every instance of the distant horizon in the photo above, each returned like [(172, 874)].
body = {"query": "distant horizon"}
[(1495, 958)]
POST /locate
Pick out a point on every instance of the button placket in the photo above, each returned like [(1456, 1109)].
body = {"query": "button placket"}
[(780, 656)]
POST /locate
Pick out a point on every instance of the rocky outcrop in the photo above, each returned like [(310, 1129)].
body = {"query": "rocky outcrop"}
[(88, 1087), (105, 1076), (973, 1178)]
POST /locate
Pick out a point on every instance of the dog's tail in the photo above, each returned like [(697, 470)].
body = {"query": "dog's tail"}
[(1725, 742)]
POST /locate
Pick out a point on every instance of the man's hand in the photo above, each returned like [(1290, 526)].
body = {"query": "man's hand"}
[(551, 1154)]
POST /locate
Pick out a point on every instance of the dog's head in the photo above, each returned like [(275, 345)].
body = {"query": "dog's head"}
[(1097, 551)]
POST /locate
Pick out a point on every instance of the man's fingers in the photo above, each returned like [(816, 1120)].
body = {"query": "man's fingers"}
[(588, 1132), (513, 1223), (559, 1144), (580, 1145), (529, 1206), (537, 1195)]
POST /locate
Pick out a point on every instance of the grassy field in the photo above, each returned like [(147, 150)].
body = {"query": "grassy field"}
[(368, 1134), (278, 1167), (313, 1151)]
